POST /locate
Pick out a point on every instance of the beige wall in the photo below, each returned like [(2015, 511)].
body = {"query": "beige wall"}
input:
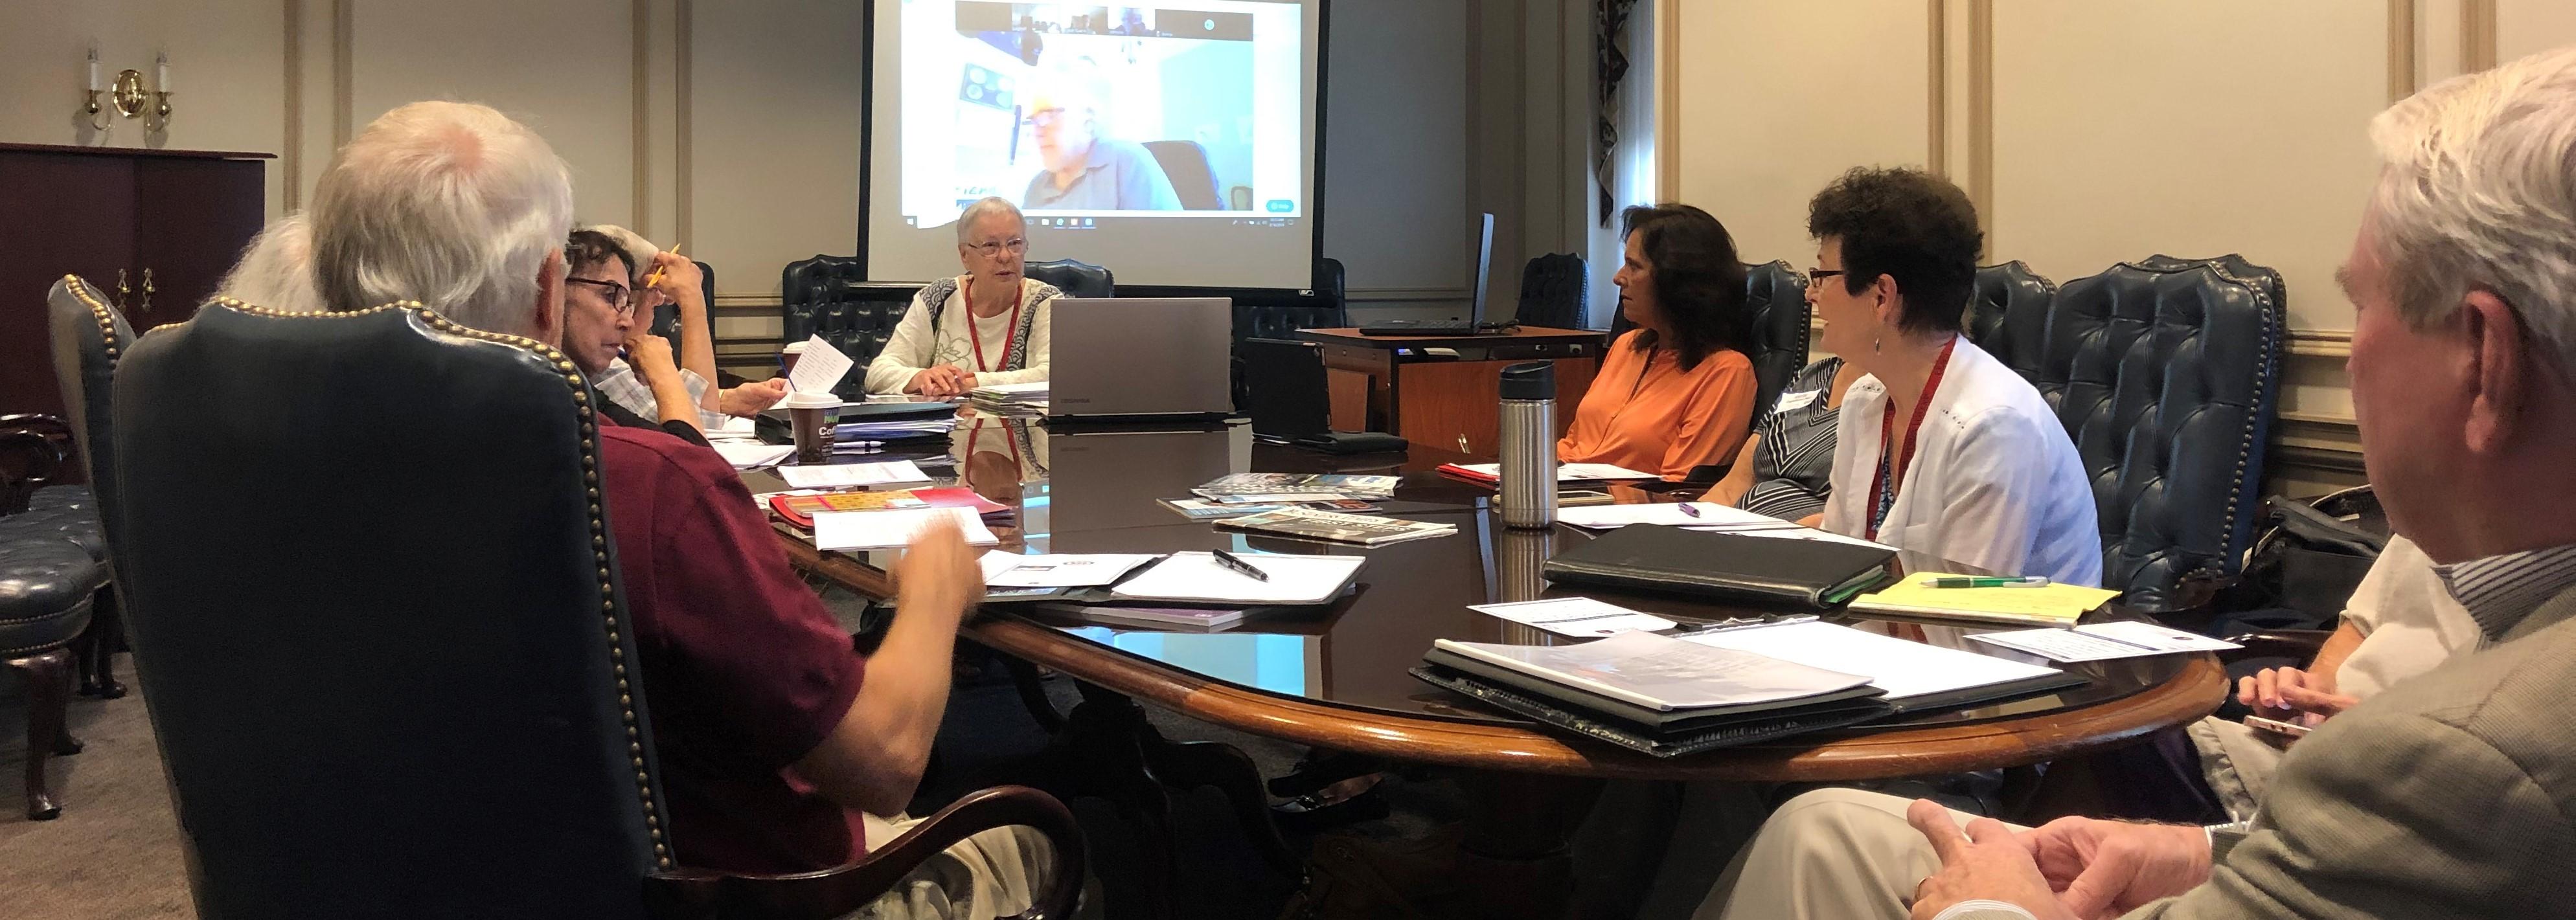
[(732, 126), (2090, 133)]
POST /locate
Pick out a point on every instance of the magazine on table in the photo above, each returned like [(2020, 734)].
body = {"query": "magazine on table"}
[(1335, 527)]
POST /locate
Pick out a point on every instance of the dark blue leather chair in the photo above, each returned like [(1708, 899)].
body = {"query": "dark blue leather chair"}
[(48, 583), (1075, 278), (1552, 291), (1776, 295), (829, 296), (480, 743), (88, 334), (2008, 315), (2166, 372)]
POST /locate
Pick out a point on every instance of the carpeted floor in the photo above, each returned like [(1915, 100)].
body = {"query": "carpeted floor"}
[(114, 852)]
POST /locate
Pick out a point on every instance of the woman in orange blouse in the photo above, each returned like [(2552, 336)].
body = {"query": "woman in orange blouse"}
[(1676, 392)]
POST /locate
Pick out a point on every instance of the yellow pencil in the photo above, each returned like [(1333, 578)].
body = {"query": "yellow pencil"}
[(655, 279)]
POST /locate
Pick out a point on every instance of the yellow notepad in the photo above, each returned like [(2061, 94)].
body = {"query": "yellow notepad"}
[(2052, 605)]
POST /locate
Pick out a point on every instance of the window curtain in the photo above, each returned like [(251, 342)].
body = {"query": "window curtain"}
[(1612, 40)]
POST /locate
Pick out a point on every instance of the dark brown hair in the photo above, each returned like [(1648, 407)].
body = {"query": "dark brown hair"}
[(1909, 225), (1697, 279), (586, 248)]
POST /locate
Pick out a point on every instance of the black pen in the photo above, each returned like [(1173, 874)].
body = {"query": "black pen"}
[(1240, 567)]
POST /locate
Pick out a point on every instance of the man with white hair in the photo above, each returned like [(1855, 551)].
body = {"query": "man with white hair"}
[(276, 269), (775, 754), (2450, 794), (1084, 169)]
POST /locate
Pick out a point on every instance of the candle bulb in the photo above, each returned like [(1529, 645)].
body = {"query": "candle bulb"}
[(94, 85), (161, 73)]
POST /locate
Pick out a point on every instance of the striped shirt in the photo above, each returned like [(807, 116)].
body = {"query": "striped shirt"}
[(2500, 590), (1793, 467)]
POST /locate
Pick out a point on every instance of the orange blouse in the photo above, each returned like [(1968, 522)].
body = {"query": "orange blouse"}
[(1645, 413)]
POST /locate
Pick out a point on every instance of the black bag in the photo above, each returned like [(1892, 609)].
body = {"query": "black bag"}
[(2305, 565)]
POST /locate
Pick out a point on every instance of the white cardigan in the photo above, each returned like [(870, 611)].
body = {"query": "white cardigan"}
[(1995, 481), (915, 346)]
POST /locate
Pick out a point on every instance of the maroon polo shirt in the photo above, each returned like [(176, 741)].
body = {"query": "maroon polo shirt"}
[(744, 671)]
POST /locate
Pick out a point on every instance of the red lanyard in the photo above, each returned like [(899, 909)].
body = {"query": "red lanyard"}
[(975, 335), (1882, 488)]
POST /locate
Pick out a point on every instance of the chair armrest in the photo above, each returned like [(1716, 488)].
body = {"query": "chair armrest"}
[(696, 894), (2300, 644), (33, 448)]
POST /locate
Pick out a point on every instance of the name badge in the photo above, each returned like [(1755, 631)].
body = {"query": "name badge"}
[(1791, 402)]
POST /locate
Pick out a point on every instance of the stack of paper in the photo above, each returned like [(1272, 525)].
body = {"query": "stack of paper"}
[(1013, 570), (894, 429), (848, 475), (1492, 473), (1915, 675), (2051, 605), (1575, 616), (745, 456), (1701, 516), (2105, 641), (1197, 578), (1007, 398), (893, 527)]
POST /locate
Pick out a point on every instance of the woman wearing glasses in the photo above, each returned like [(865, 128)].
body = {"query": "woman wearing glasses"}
[(983, 328), (1676, 393), (641, 385), (1941, 449)]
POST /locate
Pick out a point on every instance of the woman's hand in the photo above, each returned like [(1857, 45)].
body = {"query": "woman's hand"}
[(943, 381)]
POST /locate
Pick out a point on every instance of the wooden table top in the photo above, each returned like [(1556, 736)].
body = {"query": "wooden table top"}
[(1337, 678)]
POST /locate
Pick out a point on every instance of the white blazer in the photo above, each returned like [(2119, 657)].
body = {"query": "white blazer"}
[(1995, 481)]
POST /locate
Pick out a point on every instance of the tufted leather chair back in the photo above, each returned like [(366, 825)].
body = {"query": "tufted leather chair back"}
[(1776, 295), (2008, 316), (392, 674), (2167, 372), (825, 296), (1552, 290), (1075, 279), (666, 316), (88, 335)]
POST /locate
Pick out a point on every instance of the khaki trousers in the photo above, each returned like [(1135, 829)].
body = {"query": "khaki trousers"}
[(992, 874), (1831, 854)]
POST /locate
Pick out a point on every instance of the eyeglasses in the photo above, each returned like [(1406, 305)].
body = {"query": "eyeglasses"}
[(620, 297), (1816, 276), (1014, 245), (1046, 118)]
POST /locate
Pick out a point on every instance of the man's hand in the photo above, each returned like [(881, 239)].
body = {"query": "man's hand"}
[(748, 399), (2108, 868), (943, 381), (2291, 695), (937, 575), (1985, 863), (650, 355)]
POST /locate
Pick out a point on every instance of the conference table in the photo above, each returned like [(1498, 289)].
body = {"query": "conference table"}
[(1336, 677)]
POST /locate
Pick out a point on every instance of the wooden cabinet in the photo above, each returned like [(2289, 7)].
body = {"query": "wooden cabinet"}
[(1446, 392), (166, 223)]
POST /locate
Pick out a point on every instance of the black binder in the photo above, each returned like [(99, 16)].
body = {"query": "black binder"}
[(1684, 738), (1769, 571)]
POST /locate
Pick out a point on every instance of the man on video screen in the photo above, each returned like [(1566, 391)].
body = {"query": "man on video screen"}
[(1085, 171)]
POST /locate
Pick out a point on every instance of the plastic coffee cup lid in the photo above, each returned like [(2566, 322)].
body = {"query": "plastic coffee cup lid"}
[(794, 348), (804, 400)]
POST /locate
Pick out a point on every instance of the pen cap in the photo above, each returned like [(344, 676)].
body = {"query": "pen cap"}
[(1530, 380)]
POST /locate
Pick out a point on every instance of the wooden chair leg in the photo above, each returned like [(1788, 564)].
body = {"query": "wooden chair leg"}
[(96, 651), (48, 680)]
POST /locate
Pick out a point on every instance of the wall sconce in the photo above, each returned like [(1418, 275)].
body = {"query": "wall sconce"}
[(128, 97)]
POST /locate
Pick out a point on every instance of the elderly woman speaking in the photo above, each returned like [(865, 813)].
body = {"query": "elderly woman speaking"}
[(1000, 336)]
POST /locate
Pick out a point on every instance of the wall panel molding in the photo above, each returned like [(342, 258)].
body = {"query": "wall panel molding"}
[(1981, 112), (2403, 74), (1937, 85), (290, 153), (344, 72), (640, 120), (2320, 343), (2477, 35), (1668, 83)]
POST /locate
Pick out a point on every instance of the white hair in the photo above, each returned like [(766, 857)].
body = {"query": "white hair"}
[(2478, 190), (276, 269), (639, 250), (983, 208), (448, 203)]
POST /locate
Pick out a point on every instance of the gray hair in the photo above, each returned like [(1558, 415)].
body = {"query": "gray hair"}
[(2478, 189), (984, 208), (448, 203), (276, 269), (638, 249)]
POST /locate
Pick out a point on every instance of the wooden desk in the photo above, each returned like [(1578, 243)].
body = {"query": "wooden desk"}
[(1349, 689), (1401, 385)]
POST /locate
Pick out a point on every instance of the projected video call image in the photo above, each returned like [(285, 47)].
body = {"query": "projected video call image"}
[(1104, 110)]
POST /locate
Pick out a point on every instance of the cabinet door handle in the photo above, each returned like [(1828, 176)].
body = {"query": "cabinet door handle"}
[(122, 289), (147, 289)]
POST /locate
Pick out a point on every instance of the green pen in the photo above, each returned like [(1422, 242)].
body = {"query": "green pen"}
[(2032, 581)]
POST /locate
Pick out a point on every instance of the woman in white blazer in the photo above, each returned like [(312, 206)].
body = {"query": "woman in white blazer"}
[(1942, 449)]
